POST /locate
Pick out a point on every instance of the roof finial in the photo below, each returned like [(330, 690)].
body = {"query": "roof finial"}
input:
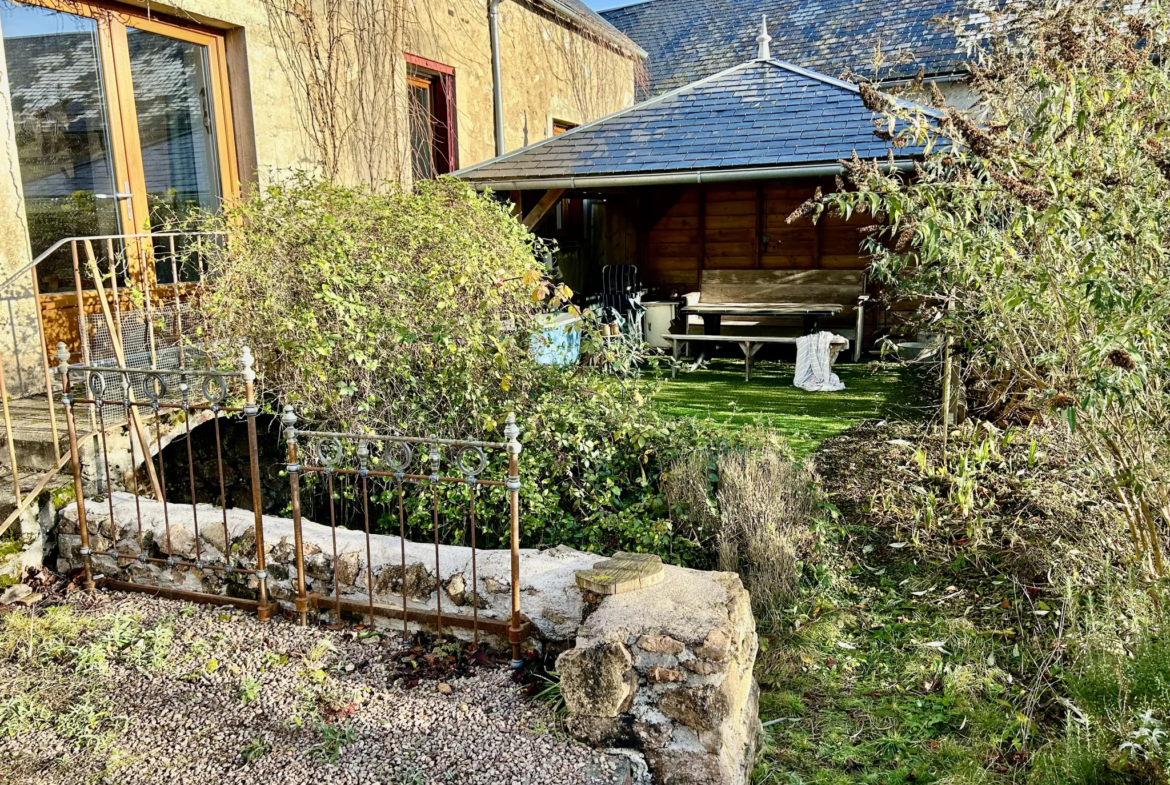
[(762, 39)]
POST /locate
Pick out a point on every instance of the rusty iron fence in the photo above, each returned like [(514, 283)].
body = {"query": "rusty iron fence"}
[(146, 398), (121, 300), (188, 392), (401, 463)]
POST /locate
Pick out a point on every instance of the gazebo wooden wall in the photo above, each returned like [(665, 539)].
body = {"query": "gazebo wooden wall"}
[(739, 226)]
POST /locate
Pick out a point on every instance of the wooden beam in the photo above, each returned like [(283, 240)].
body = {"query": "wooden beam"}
[(120, 356), (546, 203)]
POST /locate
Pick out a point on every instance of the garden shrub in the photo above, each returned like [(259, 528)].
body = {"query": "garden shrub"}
[(411, 313), (1034, 232), (766, 506)]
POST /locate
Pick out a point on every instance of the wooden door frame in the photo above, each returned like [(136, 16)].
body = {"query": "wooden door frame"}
[(112, 20)]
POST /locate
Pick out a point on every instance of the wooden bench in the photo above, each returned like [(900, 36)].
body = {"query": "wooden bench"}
[(748, 345), (810, 294)]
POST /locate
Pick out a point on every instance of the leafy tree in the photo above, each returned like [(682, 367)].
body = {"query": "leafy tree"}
[(1035, 231)]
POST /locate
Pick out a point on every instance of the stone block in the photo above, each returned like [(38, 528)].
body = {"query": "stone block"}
[(659, 675), (660, 644), (420, 584), (716, 646), (701, 708), (595, 681)]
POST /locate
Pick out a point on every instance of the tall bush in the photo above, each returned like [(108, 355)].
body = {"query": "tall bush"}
[(1035, 230), (411, 313)]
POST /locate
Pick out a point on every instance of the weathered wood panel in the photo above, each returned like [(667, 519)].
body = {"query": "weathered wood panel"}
[(742, 227)]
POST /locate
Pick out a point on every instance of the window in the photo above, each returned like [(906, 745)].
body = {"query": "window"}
[(431, 89), (560, 126), (122, 125)]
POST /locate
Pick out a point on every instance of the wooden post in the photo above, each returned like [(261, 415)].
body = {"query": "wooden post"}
[(136, 427)]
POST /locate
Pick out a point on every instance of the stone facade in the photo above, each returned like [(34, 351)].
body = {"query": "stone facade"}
[(663, 673), (552, 68), (668, 671)]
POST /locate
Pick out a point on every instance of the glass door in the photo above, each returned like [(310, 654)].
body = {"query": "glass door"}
[(63, 129), (122, 126)]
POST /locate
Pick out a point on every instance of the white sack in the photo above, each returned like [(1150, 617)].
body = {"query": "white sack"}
[(814, 360)]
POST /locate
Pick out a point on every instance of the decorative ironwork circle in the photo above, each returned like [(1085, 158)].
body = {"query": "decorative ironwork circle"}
[(328, 451), (97, 385), (471, 469), (398, 456), (155, 386), (215, 389)]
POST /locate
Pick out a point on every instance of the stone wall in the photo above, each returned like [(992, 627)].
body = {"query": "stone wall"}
[(663, 673), (668, 671)]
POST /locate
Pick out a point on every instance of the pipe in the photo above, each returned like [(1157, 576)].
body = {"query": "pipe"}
[(675, 178), (497, 83)]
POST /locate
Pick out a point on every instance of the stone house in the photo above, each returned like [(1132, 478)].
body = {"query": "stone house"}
[(119, 117)]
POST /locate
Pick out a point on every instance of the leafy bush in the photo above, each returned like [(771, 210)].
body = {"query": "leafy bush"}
[(412, 313), (1035, 232)]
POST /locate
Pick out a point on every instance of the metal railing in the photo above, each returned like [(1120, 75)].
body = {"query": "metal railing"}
[(217, 389), (115, 282), (393, 460)]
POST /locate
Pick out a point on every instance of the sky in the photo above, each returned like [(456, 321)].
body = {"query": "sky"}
[(601, 5)]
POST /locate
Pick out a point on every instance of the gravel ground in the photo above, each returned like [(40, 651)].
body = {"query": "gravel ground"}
[(150, 691)]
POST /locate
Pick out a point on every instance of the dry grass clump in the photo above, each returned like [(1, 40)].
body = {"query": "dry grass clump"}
[(753, 508), (766, 505)]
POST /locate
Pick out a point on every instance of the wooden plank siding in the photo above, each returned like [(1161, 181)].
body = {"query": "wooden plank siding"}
[(742, 226)]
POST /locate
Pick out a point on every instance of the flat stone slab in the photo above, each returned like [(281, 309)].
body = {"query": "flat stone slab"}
[(623, 572)]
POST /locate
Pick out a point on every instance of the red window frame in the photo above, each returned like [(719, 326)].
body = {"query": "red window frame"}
[(442, 78)]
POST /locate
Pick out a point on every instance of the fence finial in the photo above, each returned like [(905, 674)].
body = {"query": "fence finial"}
[(246, 363), (512, 434), (62, 357), (762, 39), (289, 419)]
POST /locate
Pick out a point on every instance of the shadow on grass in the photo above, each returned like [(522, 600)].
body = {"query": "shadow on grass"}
[(718, 391)]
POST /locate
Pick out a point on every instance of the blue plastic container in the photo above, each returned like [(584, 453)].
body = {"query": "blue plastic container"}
[(557, 339)]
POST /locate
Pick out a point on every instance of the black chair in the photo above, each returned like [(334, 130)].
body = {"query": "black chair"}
[(622, 294)]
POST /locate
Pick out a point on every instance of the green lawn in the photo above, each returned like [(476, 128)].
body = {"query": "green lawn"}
[(872, 390)]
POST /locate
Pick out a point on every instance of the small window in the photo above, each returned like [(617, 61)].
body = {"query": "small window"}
[(422, 127), (431, 90), (560, 126)]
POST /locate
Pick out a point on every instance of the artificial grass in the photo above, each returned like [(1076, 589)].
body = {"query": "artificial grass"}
[(718, 390)]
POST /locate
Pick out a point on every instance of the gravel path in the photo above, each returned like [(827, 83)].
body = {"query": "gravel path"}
[(130, 689)]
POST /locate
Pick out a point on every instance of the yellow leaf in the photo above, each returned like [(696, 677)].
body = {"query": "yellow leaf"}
[(506, 383)]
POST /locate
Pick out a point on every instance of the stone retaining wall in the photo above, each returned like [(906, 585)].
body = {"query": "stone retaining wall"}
[(664, 672)]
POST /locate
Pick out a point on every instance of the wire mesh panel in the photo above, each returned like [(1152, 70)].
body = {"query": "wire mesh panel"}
[(406, 466), (155, 342)]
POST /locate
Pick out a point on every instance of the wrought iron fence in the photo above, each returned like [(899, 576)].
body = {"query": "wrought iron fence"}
[(117, 300), (403, 463), (216, 389)]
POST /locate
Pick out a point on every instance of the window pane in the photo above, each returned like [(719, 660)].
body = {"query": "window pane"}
[(422, 132), (62, 133), (172, 97)]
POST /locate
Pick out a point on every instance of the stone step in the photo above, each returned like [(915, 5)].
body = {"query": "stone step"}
[(32, 434)]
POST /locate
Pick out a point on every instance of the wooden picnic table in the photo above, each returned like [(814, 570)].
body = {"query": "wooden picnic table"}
[(713, 313)]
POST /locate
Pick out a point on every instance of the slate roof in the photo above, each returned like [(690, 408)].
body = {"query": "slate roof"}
[(762, 114), (688, 40), (588, 19)]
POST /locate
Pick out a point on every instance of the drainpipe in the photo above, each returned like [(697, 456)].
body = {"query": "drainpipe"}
[(497, 84)]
